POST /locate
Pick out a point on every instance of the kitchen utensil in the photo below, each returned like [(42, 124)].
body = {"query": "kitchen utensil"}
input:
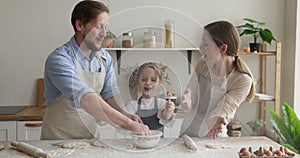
[(146, 141), (29, 149), (2, 147)]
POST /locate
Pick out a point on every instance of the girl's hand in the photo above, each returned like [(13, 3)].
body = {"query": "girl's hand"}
[(186, 101), (170, 107)]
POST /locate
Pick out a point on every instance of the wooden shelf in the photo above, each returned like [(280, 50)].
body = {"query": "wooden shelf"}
[(152, 49), (273, 53), (263, 60), (119, 51)]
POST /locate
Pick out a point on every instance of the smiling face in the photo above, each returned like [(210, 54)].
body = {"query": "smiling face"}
[(93, 33), (148, 82), (209, 49)]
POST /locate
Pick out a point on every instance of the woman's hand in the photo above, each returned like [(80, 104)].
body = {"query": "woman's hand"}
[(186, 101), (216, 129)]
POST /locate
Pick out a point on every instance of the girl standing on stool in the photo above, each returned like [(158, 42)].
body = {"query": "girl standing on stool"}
[(154, 112)]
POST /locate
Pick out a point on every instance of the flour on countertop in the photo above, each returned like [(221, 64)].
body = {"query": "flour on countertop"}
[(60, 152), (218, 146), (73, 145)]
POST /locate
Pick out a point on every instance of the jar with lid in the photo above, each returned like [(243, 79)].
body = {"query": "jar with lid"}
[(169, 28), (149, 39), (127, 40)]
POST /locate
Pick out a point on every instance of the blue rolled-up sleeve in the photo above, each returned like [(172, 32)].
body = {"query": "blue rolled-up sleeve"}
[(110, 87), (62, 78)]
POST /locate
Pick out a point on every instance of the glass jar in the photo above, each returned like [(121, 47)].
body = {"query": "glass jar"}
[(169, 28), (127, 40), (149, 39)]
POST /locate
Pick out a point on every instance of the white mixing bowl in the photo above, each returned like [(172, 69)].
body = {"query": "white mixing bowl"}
[(146, 141)]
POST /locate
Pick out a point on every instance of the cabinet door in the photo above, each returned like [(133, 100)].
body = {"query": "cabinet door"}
[(29, 130), (8, 130)]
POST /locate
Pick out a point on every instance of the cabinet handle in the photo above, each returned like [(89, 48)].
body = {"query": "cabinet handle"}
[(33, 124)]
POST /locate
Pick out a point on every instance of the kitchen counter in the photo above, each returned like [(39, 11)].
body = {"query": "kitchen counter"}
[(30, 113), (223, 147)]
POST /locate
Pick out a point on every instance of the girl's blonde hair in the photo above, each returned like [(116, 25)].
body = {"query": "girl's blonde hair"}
[(223, 32), (159, 69)]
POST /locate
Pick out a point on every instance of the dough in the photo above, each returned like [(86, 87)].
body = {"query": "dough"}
[(73, 145)]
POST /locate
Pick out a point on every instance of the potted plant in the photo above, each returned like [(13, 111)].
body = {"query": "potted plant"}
[(288, 127), (256, 29), (255, 126)]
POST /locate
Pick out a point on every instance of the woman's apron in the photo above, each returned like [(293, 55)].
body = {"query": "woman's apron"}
[(62, 121), (211, 93), (149, 116)]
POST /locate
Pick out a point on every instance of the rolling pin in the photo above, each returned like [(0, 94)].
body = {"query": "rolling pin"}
[(29, 149)]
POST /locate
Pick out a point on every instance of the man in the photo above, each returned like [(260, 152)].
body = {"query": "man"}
[(80, 82)]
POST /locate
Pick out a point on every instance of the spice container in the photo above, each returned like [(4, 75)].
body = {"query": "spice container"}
[(149, 39), (169, 28), (127, 40)]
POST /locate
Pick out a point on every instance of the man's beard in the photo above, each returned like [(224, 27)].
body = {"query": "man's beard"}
[(91, 45)]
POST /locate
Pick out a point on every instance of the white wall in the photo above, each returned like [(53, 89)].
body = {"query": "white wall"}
[(31, 29)]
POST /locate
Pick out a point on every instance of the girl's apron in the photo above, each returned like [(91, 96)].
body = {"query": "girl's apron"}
[(149, 116), (212, 91), (62, 121)]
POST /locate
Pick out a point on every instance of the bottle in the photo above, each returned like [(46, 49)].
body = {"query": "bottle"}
[(127, 40), (149, 39), (169, 28)]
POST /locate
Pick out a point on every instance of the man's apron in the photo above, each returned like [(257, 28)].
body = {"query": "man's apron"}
[(149, 116), (62, 121), (211, 93)]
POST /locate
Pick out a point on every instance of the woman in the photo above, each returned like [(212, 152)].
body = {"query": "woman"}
[(221, 82)]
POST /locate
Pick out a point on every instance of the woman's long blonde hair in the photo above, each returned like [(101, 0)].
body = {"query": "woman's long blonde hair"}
[(223, 32)]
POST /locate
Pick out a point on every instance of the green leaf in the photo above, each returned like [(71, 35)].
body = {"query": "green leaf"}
[(261, 23), (280, 127), (288, 127), (250, 20), (266, 35), (292, 122), (291, 148)]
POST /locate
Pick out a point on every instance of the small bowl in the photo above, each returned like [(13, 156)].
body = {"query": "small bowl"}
[(146, 141)]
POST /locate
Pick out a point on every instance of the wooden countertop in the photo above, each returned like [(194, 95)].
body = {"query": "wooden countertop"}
[(30, 113), (35, 113), (175, 148)]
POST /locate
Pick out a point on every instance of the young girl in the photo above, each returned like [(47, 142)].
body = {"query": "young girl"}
[(154, 112)]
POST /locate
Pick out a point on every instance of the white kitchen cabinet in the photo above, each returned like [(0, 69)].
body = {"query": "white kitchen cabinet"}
[(29, 130), (8, 130), (20, 130)]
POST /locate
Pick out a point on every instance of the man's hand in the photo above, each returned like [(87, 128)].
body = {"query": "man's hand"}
[(133, 117)]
